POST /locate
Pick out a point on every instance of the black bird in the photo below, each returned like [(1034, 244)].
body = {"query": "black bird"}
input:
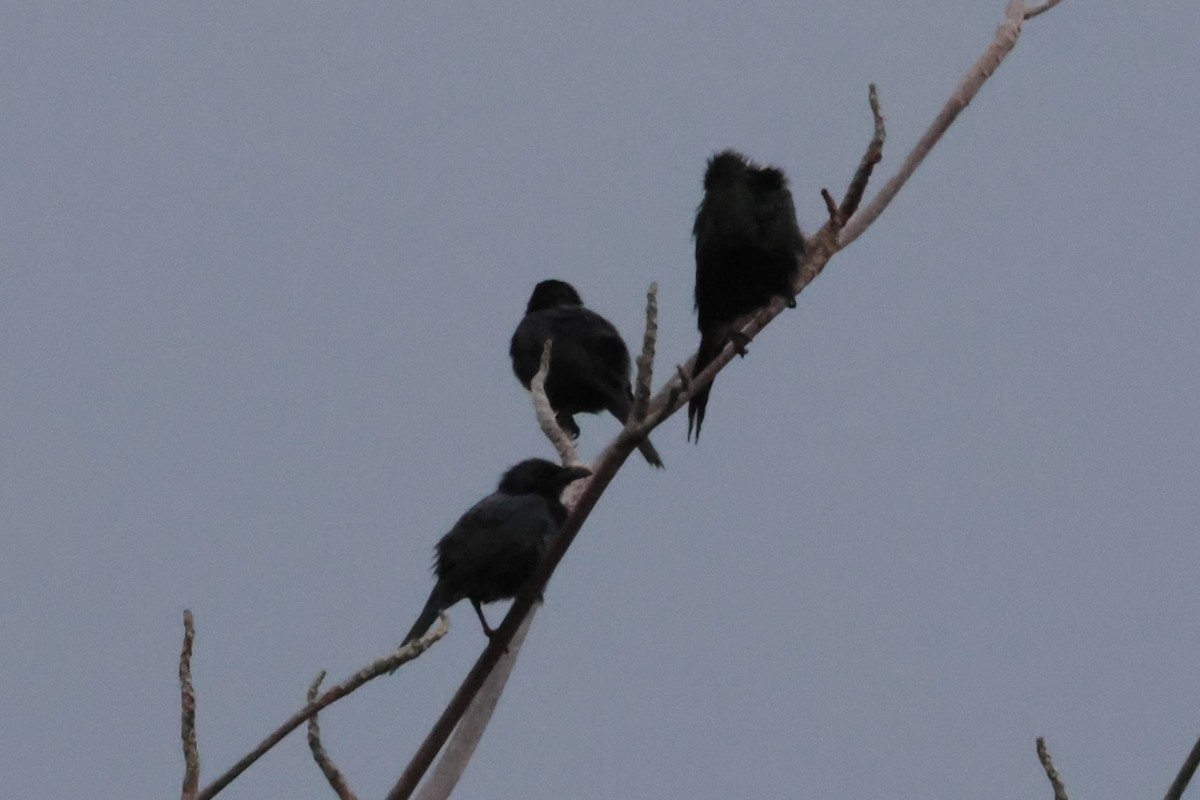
[(748, 250), (589, 363), (492, 550)]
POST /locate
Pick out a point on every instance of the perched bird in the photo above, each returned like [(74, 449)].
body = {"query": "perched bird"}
[(492, 550), (748, 250), (589, 363)]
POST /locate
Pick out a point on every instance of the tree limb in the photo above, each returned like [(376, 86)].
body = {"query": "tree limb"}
[(458, 751)]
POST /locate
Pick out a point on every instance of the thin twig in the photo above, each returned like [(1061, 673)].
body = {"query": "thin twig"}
[(376, 668), (645, 361), (1060, 791), (866, 166), (191, 752), (337, 781), (1030, 13), (1185, 774), (458, 751), (545, 412)]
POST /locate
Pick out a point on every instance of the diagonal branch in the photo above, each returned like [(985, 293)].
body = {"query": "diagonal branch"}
[(380, 666), (458, 751), (191, 752), (337, 781), (1180, 784)]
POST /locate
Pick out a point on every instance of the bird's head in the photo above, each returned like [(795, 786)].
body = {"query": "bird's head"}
[(725, 167), (538, 476), (552, 293)]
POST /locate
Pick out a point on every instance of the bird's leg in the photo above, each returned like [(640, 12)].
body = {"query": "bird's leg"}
[(488, 630), (790, 299)]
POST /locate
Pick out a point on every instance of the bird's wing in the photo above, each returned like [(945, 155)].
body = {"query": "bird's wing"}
[(496, 530)]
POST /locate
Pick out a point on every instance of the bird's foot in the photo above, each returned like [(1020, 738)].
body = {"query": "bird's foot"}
[(739, 341), (567, 423)]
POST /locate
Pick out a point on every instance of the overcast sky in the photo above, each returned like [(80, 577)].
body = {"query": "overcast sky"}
[(259, 263)]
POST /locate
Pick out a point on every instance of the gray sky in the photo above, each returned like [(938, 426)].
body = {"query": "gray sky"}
[(259, 263)]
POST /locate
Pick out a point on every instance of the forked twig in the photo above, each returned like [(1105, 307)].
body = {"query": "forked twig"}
[(337, 781)]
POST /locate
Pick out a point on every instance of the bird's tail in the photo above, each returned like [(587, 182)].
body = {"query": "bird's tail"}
[(620, 408), (710, 347), (433, 607), (649, 453)]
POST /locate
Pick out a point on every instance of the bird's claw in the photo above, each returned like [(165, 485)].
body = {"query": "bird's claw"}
[(739, 341)]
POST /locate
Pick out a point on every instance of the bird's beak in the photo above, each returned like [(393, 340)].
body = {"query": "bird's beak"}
[(572, 474)]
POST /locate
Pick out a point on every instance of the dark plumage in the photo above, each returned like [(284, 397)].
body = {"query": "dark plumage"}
[(748, 250), (492, 550), (589, 363)]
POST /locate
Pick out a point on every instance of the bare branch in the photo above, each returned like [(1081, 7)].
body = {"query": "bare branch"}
[(191, 752), (1005, 39), (545, 413), (645, 362), (373, 670), (679, 389), (458, 751), (1185, 774), (1030, 13), (1060, 791), (332, 774)]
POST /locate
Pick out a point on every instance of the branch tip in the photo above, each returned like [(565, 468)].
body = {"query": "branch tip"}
[(1060, 791)]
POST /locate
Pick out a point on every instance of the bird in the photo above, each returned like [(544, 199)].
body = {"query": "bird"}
[(495, 547), (748, 250), (589, 362)]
